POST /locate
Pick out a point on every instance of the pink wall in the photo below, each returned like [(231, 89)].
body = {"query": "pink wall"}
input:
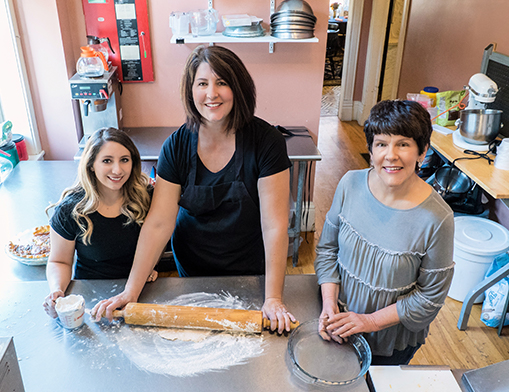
[(445, 42), (289, 81)]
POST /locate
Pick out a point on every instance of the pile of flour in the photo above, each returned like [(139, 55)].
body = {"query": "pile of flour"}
[(189, 353)]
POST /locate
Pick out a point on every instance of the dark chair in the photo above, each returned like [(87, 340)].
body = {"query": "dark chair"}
[(342, 34), (333, 54)]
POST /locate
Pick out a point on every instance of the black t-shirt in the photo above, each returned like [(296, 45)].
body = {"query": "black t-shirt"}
[(264, 149), (263, 154), (112, 246)]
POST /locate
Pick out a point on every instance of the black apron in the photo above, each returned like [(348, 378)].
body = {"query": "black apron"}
[(218, 229)]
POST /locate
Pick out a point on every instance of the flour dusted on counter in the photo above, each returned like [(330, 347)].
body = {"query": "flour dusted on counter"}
[(184, 335), (190, 356)]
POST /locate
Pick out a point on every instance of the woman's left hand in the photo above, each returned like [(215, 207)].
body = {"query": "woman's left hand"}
[(349, 323), (153, 276), (274, 310)]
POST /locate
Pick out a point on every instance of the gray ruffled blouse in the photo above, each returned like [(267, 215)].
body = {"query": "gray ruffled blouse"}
[(380, 256)]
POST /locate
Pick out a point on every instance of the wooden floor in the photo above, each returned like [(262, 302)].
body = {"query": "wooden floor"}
[(341, 146)]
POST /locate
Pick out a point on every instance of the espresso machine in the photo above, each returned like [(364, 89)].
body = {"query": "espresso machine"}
[(99, 102)]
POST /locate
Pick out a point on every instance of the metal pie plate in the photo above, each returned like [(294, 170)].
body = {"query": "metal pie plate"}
[(243, 29), (291, 29), (327, 363), (293, 24), (249, 34), (292, 35)]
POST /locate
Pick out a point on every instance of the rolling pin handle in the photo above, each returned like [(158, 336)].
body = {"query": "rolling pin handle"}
[(118, 313), (266, 324)]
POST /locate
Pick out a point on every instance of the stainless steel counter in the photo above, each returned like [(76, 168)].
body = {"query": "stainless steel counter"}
[(54, 359), (28, 190)]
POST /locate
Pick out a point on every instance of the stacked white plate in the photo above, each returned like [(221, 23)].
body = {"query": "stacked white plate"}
[(294, 19)]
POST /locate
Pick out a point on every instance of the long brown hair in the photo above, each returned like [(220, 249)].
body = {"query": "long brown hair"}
[(229, 67), (136, 198)]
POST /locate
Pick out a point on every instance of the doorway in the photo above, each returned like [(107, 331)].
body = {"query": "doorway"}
[(334, 56), (393, 50)]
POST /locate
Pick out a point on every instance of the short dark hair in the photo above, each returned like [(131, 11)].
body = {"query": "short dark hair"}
[(405, 118), (229, 67)]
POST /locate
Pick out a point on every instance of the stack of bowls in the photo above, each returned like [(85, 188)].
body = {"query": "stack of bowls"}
[(293, 19)]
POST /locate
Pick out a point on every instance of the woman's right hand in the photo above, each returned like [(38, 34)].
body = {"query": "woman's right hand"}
[(106, 307), (50, 301), (329, 309)]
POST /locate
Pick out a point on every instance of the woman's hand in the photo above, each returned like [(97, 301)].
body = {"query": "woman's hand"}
[(153, 276), (346, 324), (330, 309), (50, 301), (274, 310), (106, 307)]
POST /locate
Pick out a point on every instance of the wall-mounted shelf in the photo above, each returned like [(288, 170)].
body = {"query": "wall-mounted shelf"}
[(220, 38)]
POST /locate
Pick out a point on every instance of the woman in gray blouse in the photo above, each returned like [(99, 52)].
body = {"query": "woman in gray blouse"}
[(386, 246)]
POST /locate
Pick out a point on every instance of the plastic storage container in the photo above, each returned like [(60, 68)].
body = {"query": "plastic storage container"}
[(179, 23), (432, 93), (477, 241)]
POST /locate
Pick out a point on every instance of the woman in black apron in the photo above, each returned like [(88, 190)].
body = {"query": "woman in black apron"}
[(222, 188)]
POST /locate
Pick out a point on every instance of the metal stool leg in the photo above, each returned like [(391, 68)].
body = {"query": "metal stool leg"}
[(480, 288), (504, 311), (298, 211)]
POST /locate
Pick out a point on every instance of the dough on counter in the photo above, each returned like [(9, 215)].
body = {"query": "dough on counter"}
[(185, 335)]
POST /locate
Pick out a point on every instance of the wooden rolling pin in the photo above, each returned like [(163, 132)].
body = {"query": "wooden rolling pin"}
[(237, 320)]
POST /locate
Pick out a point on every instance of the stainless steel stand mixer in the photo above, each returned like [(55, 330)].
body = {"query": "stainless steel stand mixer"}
[(478, 126)]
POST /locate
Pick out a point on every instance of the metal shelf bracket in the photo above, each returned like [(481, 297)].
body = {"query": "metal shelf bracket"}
[(272, 10)]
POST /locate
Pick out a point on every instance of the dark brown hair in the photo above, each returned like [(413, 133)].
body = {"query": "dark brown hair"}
[(404, 118), (229, 67)]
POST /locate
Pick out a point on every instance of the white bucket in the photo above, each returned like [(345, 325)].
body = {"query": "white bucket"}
[(477, 241)]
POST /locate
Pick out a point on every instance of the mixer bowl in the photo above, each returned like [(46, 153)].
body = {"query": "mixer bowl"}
[(452, 184), (480, 126)]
